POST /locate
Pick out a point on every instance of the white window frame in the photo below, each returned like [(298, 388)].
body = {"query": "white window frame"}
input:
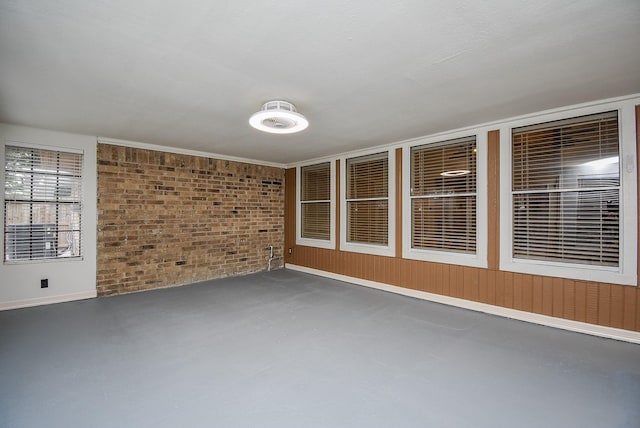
[(81, 256), (388, 250), (329, 244), (479, 259), (626, 272)]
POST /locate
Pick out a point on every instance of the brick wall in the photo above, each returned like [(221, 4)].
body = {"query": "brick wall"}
[(157, 210)]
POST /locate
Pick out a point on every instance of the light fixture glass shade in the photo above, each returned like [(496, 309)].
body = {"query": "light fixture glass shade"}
[(278, 117)]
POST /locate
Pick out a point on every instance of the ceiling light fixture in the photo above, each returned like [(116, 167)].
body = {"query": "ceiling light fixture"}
[(455, 173), (278, 117)]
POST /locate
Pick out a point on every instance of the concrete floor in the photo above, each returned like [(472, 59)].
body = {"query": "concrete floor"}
[(287, 349)]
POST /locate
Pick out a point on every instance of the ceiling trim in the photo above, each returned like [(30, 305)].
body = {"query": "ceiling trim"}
[(176, 150)]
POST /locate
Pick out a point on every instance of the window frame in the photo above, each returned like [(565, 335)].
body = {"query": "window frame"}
[(479, 259), (388, 250), (626, 271), (330, 243), (82, 201)]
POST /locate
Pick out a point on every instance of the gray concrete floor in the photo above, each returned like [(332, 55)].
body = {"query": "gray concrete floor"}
[(286, 349)]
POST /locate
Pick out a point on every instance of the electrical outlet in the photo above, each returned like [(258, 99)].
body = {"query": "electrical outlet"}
[(44, 283), (290, 250)]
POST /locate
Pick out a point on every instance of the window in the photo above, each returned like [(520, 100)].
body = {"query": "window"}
[(42, 204), (566, 198), (316, 205), (566, 190), (368, 199), (443, 196), (443, 208), (367, 204), (316, 201)]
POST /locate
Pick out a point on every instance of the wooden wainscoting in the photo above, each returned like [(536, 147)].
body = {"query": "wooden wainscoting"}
[(596, 303)]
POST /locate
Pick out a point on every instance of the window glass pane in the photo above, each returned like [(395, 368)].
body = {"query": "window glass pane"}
[(368, 176), (69, 243), (557, 156), (368, 221), (315, 182), (41, 187), (447, 223), (444, 168), (315, 220), (30, 241), (571, 227)]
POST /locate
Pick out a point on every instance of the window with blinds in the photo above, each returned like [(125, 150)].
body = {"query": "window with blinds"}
[(315, 201), (367, 199), (443, 196), (42, 204), (566, 190)]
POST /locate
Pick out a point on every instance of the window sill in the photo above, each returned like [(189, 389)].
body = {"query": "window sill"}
[(569, 271), (318, 243), (447, 257), (372, 249), (40, 261)]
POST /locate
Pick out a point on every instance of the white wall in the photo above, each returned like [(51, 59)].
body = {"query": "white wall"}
[(68, 279)]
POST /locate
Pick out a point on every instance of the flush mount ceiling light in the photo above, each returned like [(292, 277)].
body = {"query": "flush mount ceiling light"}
[(278, 117), (455, 173)]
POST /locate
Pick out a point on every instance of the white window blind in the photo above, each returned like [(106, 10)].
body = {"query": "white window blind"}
[(443, 196), (315, 201), (566, 190), (43, 204), (367, 198)]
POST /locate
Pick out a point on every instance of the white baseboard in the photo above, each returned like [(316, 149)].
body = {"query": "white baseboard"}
[(577, 326), (16, 304)]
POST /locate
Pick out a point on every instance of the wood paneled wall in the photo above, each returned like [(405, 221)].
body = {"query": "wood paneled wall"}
[(592, 302)]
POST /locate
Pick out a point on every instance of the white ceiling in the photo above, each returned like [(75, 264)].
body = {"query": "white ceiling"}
[(364, 72)]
